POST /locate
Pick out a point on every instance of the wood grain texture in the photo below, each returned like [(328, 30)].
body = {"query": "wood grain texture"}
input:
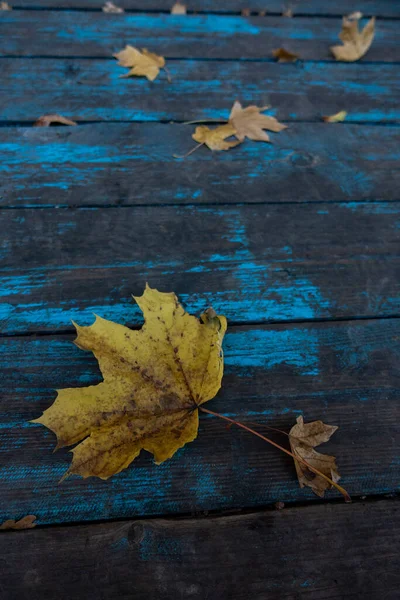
[(95, 34), (313, 553), (103, 164), (343, 373), (252, 263), (87, 89), (384, 8)]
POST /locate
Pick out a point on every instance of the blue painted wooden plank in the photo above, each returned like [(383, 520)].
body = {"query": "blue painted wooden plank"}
[(95, 34), (107, 164), (252, 263), (387, 8), (344, 373), (93, 90)]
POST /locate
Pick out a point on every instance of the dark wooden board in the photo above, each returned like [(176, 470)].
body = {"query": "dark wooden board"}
[(344, 373), (388, 8), (105, 164), (86, 89), (253, 263), (323, 552), (94, 34)]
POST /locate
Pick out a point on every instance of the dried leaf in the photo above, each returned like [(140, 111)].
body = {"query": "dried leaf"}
[(24, 523), (336, 118), (178, 9), (245, 12), (355, 16), (284, 56), (5, 6), (248, 122), (303, 438), (355, 43), (215, 138), (142, 64), (110, 7), (47, 120), (288, 12), (154, 381)]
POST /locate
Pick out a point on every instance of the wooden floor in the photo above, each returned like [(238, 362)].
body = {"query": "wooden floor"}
[(296, 242)]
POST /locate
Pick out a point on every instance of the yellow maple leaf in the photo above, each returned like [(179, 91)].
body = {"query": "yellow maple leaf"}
[(154, 381), (248, 122), (215, 139), (141, 64), (355, 43), (303, 438)]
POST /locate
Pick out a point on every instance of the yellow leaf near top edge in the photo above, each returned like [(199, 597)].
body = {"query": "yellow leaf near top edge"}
[(336, 118), (355, 42), (248, 122), (141, 64), (303, 438), (153, 381), (215, 139)]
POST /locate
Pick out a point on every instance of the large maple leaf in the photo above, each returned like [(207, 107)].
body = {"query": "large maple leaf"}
[(154, 381)]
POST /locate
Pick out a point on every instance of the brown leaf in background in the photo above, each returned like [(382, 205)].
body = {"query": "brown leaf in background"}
[(355, 16), (178, 9), (110, 7), (283, 55), (215, 138), (47, 120), (355, 43), (5, 6), (248, 122), (142, 64), (24, 523), (303, 438), (336, 118)]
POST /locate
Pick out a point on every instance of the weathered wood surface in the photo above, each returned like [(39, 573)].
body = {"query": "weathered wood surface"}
[(382, 8), (86, 89), (252, 263), (343, 373), (320, 552), (103, 164), (95, 34)]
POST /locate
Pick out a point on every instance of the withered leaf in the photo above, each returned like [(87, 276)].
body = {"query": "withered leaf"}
[(141, 64), (355, 43), (282, 55), (336, 118), (249, 122), (47, 120), (154, 380), (110, 7), (24, 523), (178, 9), (303, 439), (215, 139), (5, 6), (355, 16)]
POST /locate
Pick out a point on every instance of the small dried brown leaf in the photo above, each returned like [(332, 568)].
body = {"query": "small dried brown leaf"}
[(303, 438), (47, 120), (248, 122), (283, 55), (355, 16), (24, 523), (178, 9), (288, 12), (142, 64), (110, 7), (336, 118), (355, 42), (245, 12), (215, 139), (5, 6)]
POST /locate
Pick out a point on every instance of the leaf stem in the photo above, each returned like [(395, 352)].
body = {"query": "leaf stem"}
[(298, 458), (168, 73), (188, 153), (204, 121)]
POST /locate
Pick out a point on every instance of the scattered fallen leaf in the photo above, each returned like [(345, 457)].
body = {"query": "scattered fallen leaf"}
[(355, 16), (248, 122), (142, 64), (178, 9), (24, 523), (303, 438), (262, 13), (215, 139), (110, 7), (5, 6), (355, 43), (47, 120), (154, 381), (288, 12), (337, 118), (246, 12), (283, 55)]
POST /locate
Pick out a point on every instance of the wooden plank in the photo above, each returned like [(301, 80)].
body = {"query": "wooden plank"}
[(383, 8), (253, 263), (345, 373), (321, 552), (93, 90), (95, 34), (107, 164)]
